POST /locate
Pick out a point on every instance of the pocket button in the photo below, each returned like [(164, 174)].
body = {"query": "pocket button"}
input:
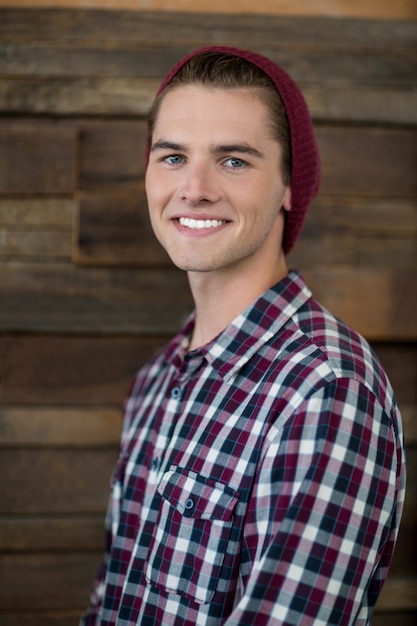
[(176, 393), (189, 504)]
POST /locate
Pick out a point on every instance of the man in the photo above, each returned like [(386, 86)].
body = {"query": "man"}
[(261, 473)]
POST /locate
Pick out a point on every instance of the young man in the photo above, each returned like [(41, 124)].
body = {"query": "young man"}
[(261, 473)]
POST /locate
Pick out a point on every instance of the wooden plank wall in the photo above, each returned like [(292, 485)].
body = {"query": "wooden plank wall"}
[(86, 295), (379, 9)]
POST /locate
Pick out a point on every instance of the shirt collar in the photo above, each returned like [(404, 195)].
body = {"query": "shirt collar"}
[(255, 326)]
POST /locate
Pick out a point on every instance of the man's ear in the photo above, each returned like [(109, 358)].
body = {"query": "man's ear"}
[(286, 202)]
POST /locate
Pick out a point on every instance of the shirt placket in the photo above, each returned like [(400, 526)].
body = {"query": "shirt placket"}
[(167, 438)]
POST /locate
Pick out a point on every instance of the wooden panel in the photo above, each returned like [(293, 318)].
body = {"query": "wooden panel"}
[(359, 232), (59, 370), (114, 229), (46, 534), (400, 361), (44, 244), (57, 213), (46, 581), (55, 481), (398, 594), (37, 158), (378, 304), (153, 27), (133, 97), (359, 161), (32, 228), (405, 618), (101, 96), (61, 618), (112, 154), (89, 59), (60, 427)]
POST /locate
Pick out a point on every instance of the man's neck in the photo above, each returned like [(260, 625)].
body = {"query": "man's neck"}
[(220, 297)]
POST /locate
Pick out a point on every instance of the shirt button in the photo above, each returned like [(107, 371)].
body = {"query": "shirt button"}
[(189, 504), (175, 393)]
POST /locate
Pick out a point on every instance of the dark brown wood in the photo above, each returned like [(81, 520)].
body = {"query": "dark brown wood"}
[(56, 427), (55, 618), (133, 96), (400, 361), (52, 534), (405, 618), (70, 95), (250, 30), (112, 154), (32, 582), (398, 594), (359, 161), (37, 158), (376, 303), (114, 229), (32, 212), (154, 61), (55, 481), (62, 370)]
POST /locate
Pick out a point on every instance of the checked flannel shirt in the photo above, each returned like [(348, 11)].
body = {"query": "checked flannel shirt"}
[(260, 479)]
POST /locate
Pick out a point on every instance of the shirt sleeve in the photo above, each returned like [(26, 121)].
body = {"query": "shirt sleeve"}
[(323, 513)]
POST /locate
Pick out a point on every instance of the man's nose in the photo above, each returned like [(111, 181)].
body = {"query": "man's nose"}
[(199, 184)]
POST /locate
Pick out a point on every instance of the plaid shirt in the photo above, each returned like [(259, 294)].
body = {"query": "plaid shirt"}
[(260, 479)]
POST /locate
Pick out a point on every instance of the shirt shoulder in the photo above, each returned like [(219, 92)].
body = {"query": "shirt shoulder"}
[(343, 350)]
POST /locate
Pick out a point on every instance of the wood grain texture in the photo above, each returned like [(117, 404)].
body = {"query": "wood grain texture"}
[(48, 582), (405, 9), (64, 370), (55, 482), (176, 27), (57, 427), (37, 158), (46, 533)]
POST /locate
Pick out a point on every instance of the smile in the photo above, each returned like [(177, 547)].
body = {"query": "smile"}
[(189, 222)]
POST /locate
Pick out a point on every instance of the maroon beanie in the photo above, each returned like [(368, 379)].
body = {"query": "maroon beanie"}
[(305, 168)]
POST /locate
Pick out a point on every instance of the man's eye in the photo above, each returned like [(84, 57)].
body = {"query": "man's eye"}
[(173, 159), (235, 163)]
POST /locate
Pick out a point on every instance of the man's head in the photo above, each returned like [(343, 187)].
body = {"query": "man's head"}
[(290, 122)]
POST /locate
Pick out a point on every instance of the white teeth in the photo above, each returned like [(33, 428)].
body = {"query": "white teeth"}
[(192, 223)]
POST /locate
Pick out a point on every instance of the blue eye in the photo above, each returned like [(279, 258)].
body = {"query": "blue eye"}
[(173, 159), (235, 163)]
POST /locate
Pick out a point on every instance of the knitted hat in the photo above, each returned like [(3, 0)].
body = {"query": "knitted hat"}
[(305, 168)]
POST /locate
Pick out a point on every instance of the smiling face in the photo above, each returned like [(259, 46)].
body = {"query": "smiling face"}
[(214, 184)]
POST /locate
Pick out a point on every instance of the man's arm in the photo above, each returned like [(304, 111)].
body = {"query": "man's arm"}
[(327, 497)]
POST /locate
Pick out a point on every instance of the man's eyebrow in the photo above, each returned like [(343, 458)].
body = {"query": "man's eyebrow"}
[(242, 148), (167, 145)]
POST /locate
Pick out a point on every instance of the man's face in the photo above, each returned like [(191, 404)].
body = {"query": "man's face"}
[(214, 183)]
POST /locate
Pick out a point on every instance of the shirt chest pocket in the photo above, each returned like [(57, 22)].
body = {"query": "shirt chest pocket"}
[(192, 535)]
